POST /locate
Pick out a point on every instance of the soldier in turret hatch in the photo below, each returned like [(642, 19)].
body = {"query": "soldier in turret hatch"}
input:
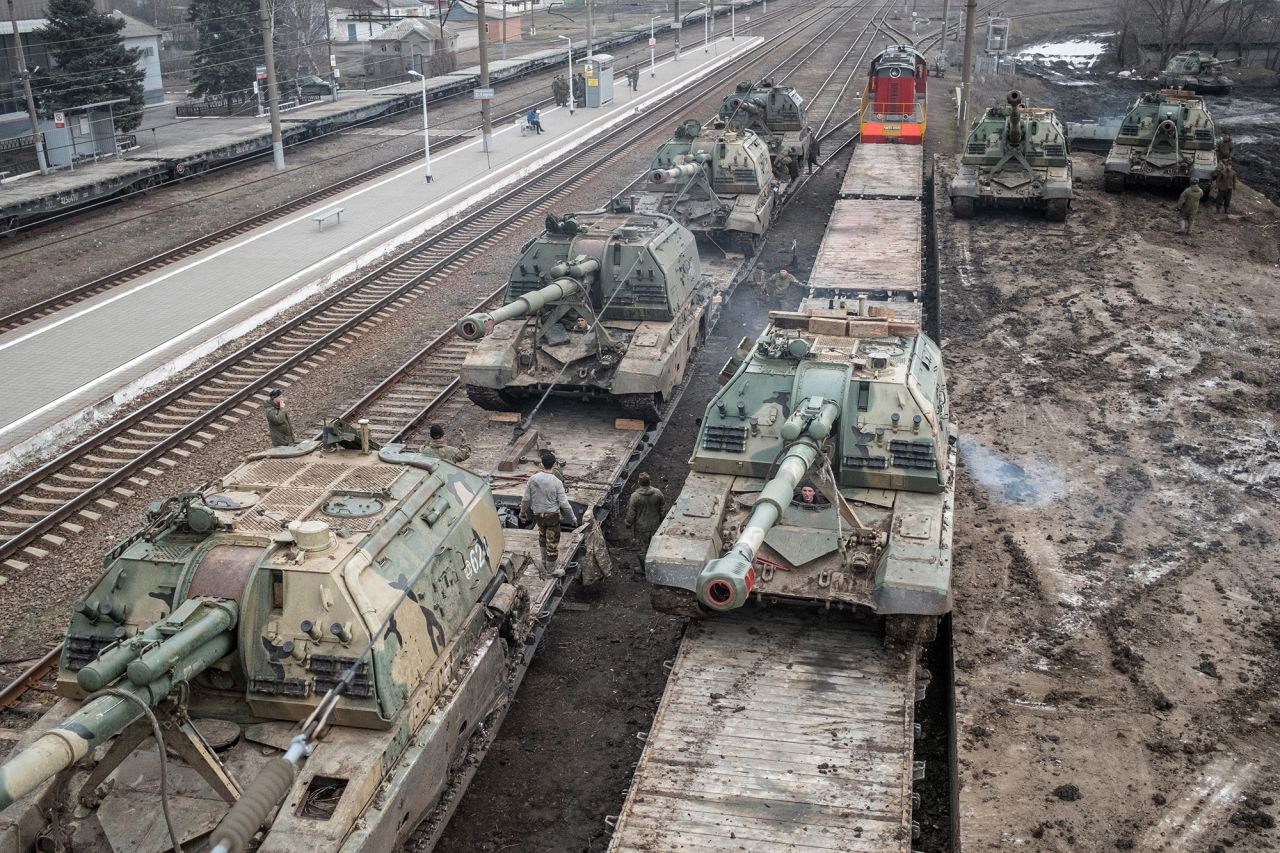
[(645, 509), (278, 423), (448, 452)]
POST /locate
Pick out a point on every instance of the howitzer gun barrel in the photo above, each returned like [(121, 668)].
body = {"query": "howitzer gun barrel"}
[(693, 165), (1014, 133), (569, 279), (106, 716), (725, 583), (747, 106)]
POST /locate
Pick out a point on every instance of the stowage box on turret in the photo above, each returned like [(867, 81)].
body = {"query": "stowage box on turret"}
[(1196, 72), (713, 180), (233, 611), (1015, 156), (602, 305), (1166, 139), (773, 113), (824, 471)]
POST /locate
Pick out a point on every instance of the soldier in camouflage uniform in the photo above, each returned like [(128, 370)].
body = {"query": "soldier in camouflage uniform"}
[(779, 282), (1188, 207), (278, 423), (1226, 148), (1224, 184), (547, 504), (644, 513), (447, 452)]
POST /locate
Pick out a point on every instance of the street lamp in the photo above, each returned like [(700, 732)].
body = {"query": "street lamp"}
[(572, 99), (652, 47), (426, 132), (733, 20)]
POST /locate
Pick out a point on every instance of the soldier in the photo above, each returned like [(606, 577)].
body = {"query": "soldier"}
[(447, 452), (814, 150), (558, 90), (1224, 184), (644, 513), (546, 500), (778, 283), (1226, 148), (1188, 207), (278, 420), (808, 495), (580, 88), (792, 167), (633, 77)]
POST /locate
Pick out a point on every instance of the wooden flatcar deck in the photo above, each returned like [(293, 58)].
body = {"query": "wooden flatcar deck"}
[(871, 247), (884, 171), (776, 733)]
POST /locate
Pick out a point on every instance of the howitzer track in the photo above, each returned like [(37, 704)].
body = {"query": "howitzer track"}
[(36, 511)]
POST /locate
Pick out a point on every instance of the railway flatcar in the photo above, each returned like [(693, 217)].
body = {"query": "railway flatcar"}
[(894, 104)]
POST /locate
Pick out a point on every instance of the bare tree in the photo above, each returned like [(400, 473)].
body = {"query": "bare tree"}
[(301, 35), (1175, 21)]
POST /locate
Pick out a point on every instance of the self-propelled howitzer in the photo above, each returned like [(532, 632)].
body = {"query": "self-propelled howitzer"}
[(604, 305), (234, 610), (824, 471), (774, 113), (1167, 139), (731, 192)]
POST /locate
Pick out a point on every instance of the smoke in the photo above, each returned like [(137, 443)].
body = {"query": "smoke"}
[(1030, 482)]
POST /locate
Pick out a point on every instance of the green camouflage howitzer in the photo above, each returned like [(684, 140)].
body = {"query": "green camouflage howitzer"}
[(604, 305), (1194, 72), (1167, 140), (774, 113), (1015, 156), (824, 471), (337, 593)]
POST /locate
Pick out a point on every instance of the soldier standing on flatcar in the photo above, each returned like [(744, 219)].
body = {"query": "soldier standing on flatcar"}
[(547, 504), (278, 423)]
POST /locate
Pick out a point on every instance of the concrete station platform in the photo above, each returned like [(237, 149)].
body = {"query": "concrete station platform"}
[(71, 367)]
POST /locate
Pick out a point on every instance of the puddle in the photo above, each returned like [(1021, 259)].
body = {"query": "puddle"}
[(1024, 483)]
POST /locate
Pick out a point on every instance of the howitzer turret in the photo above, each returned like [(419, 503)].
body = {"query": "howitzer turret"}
[(726, 582), (610, 304), (375, 585), (166, 657), (713, 180), (570, 279), (1166, 139), (1015, 156), (774, 113), (792, 498)]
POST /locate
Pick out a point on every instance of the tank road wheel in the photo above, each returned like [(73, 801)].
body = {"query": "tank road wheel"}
[(644, 407), (1113, 182), (492, 399), (676, 601), (962, 207), (1055, 210)]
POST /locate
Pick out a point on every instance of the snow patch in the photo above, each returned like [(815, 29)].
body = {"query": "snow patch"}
[(1078, 53)]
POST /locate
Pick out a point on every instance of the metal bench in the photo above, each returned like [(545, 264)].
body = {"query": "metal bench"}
[(333, 213)]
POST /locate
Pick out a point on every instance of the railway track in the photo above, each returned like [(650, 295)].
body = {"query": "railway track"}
[(87, 290), (36, 511)]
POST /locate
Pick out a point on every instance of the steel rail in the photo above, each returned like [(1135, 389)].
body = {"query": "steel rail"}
[(73, 295), (132, 459)]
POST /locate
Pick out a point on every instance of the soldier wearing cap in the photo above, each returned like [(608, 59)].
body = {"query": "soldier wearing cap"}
[(644, 513), (448, 452), (278, 423), (778, 283), (546, 503), (1226, 148)]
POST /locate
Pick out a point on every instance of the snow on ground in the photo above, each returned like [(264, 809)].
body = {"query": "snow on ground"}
[(1078, 53)]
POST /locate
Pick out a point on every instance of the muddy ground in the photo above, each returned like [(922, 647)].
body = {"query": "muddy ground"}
[(1117, 615)]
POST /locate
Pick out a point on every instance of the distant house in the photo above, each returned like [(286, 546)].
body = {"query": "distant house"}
[(412, 43), (354, 21), (146, 39)]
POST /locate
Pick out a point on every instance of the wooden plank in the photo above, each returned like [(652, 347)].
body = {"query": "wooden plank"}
[(885, 172), (776, 733), (870, 247)]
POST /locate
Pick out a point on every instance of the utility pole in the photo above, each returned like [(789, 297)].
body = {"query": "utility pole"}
[(591, 31), (946, 19), (675, 28), (273, 94), (486, 127), (966, 74), (37, 138)]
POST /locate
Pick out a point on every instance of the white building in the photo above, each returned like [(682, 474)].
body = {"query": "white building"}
[(145, 38)]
